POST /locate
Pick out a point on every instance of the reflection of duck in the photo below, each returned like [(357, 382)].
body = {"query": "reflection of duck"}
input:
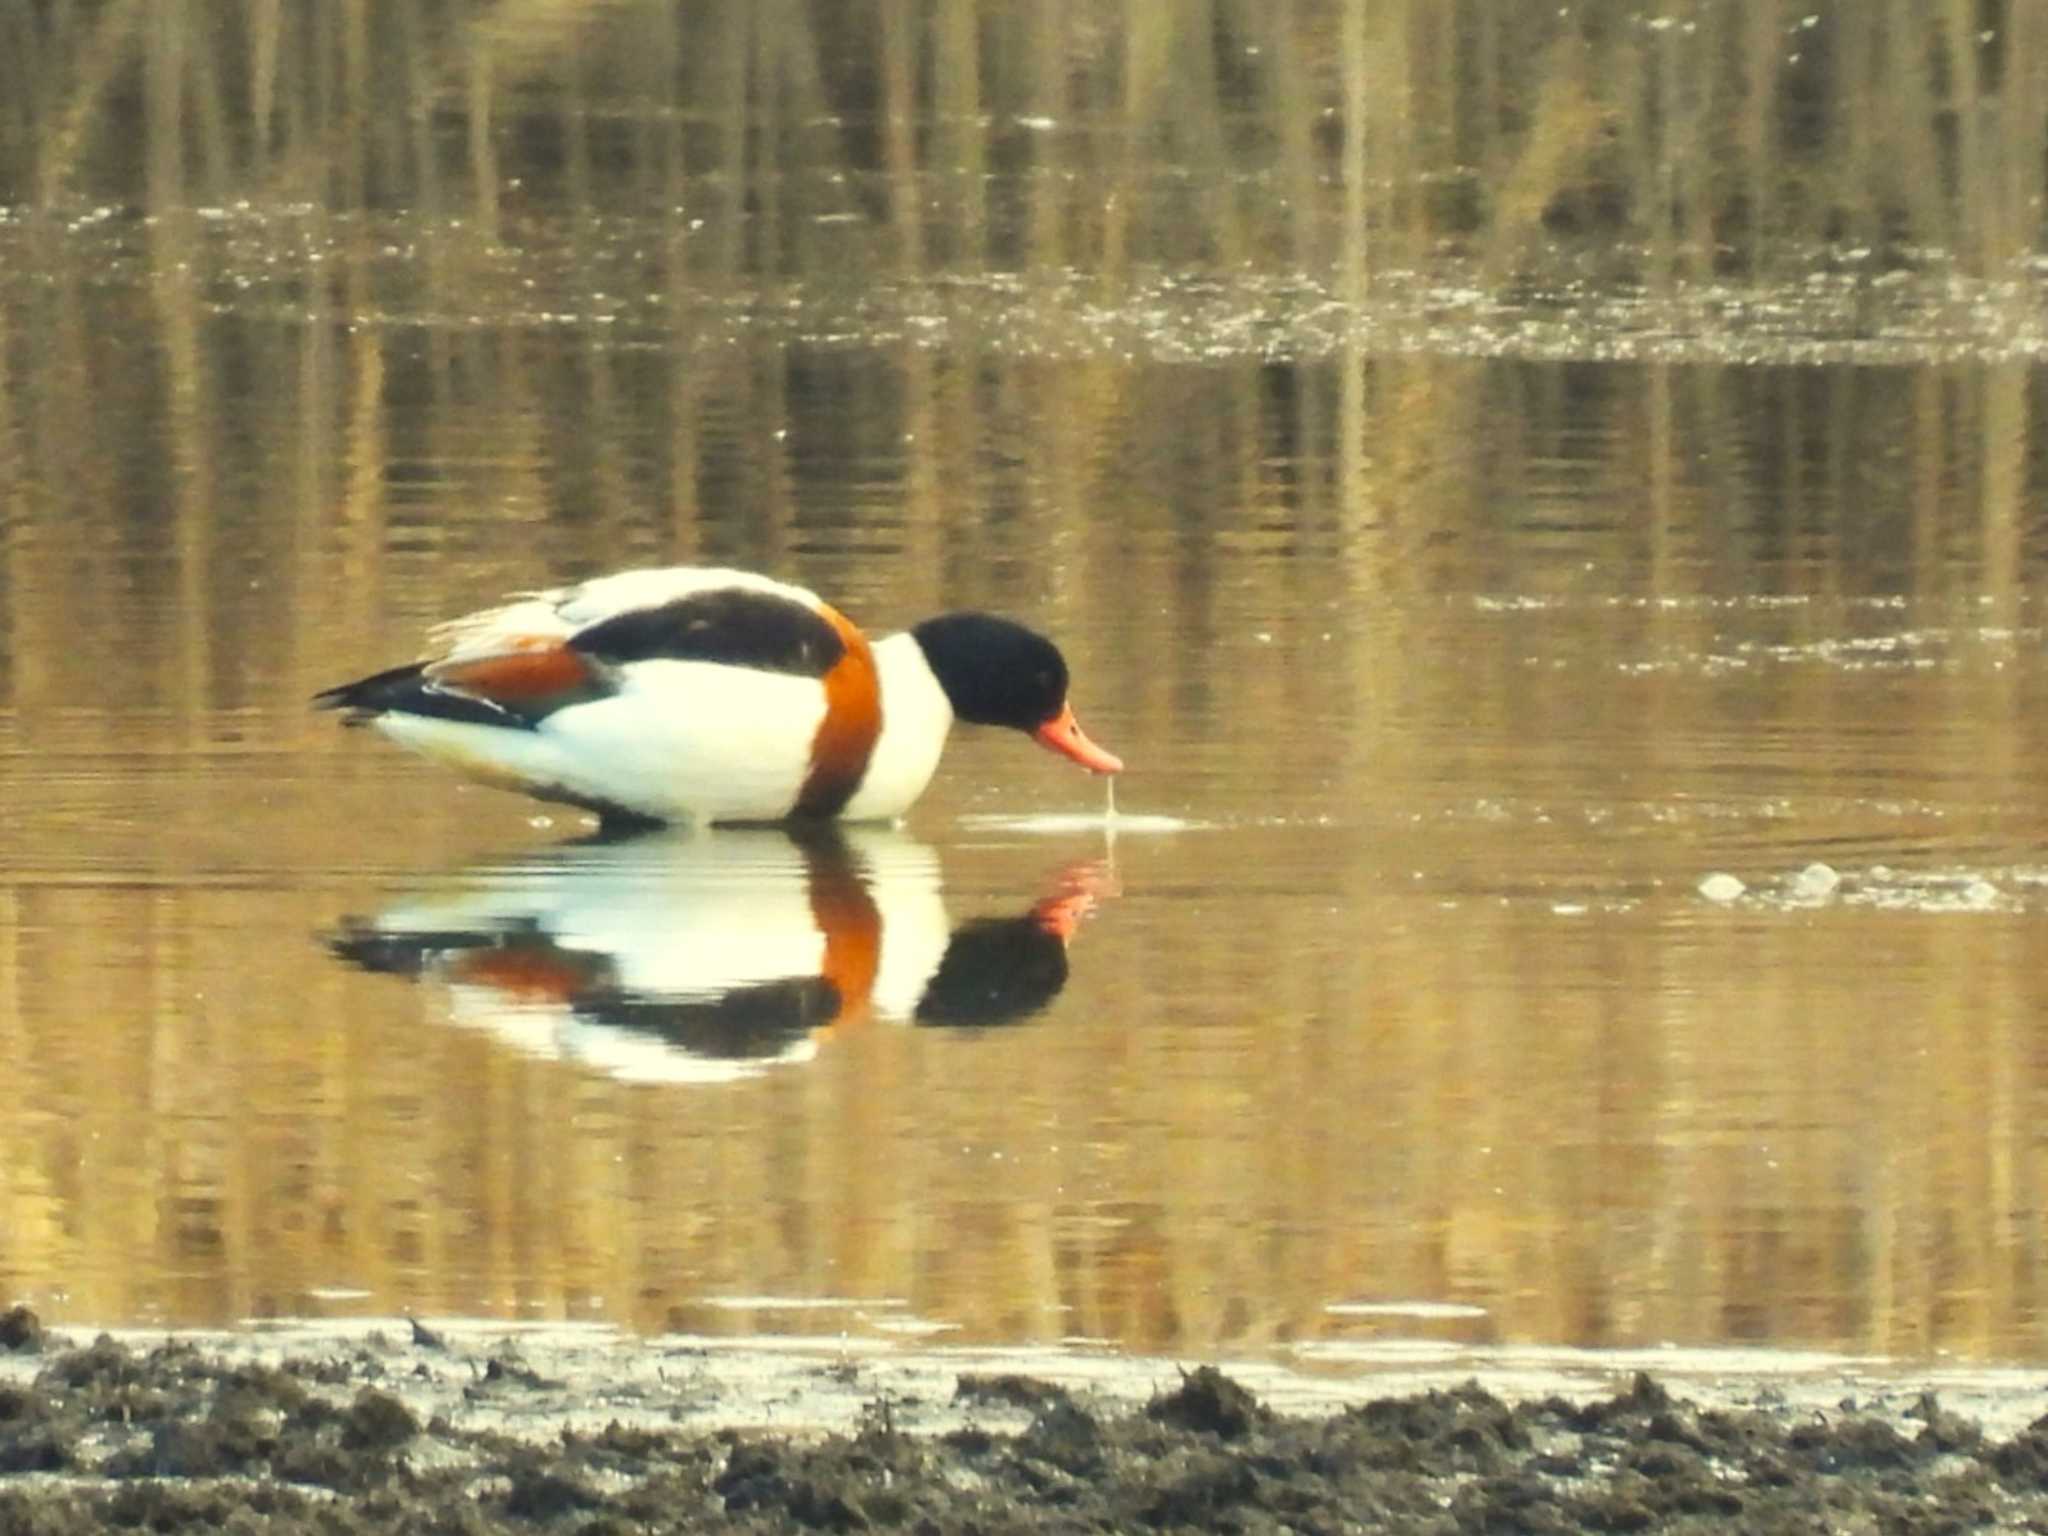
[(692, 694), (709, 957), (998, 969)]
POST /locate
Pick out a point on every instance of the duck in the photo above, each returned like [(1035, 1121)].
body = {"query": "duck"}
[(671, 956), (705, 695), (713, 956)]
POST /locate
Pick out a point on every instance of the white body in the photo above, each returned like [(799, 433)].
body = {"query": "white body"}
[(684, 741), (684, 918), (915, 720)]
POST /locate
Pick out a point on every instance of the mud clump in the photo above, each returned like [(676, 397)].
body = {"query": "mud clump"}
[(174, 1439), (21, 1331), (1209, 1402)]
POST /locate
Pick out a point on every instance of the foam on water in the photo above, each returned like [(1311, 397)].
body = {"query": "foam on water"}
[(1111, 823), (1957, 890)]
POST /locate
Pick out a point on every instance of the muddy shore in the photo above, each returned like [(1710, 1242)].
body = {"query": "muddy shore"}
[(418, 1427)]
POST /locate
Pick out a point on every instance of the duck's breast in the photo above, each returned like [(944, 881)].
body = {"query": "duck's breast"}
[(915, 720)]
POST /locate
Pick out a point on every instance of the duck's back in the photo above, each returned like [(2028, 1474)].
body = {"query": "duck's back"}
[(679, 694)]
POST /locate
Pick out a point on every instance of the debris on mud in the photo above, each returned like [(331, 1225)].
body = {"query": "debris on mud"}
[(430, 1434)]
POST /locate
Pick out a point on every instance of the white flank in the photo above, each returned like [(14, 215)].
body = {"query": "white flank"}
[(694, 740), (681, 740), (494, 753)]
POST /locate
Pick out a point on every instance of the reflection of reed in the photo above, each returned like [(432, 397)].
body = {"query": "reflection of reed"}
[(1731, 130)]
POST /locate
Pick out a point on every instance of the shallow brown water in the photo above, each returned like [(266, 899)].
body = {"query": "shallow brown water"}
[(1468, 645)]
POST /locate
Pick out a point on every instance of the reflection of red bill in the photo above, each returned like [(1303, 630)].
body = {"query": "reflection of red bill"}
[(1080, 889), (1065, 736)]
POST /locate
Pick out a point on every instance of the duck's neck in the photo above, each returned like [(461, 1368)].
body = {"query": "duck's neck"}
[(915, 719)]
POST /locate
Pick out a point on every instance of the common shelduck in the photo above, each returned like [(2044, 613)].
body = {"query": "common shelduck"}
[(710, 957), (690, 694)]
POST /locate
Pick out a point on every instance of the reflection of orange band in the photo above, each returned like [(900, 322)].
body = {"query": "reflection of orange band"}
[(853, 719), (846, 915)]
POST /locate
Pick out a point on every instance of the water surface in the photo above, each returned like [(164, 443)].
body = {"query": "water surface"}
[(1582, 881)]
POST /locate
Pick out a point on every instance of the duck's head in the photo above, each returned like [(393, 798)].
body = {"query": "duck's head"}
[(997, 672)]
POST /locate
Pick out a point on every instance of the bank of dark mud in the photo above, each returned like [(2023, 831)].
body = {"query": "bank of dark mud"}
[(416, 1434)]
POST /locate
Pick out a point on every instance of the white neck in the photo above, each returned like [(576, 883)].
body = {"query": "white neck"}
[(916, 716)]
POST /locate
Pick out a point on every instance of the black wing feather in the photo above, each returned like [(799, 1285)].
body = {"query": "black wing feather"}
[(406, 690), (730, 626)]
